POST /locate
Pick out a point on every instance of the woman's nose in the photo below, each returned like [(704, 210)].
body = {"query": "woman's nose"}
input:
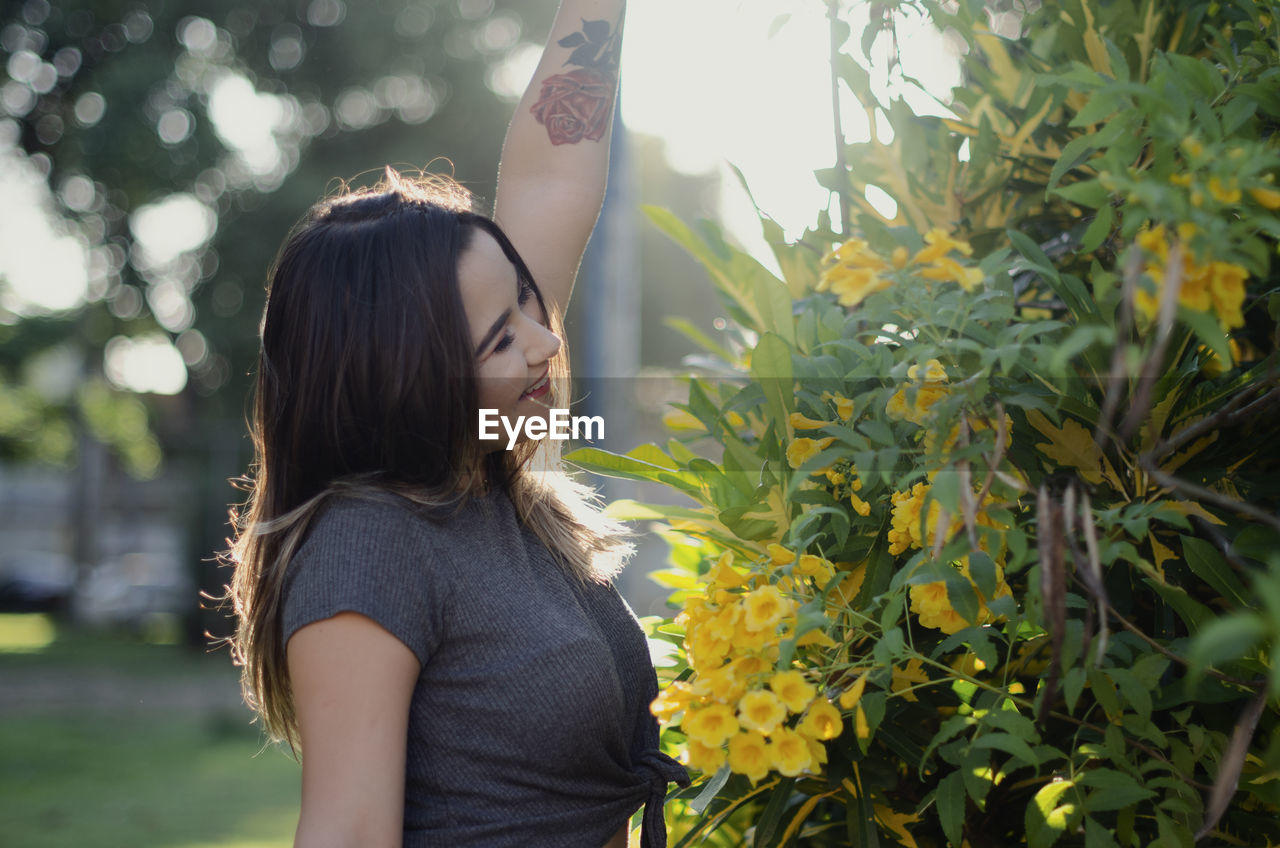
[(544, 346)]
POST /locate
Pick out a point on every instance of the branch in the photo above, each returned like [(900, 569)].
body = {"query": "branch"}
[(1228, 415)]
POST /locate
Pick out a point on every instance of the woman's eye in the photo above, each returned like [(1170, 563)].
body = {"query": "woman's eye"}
[(526, 292), (504, 342)]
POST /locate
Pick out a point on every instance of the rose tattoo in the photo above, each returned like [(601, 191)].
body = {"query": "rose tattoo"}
[(578, 104)]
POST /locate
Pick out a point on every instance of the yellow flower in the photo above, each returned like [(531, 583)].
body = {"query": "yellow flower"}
[(711, 725), (860, 726), (816, 567), (705, 650), (752, 664), (1212, 285), (704, 758), (939, 245), (844, 405), (904, 522), (817, 636), (859, 505), (789, 753), (850, 697), (802, 450), (856, 253), (800, 421), (1224, 194), (724, 626), (1183, 180), (928, 388), (748, 640), (1193, 147), (933, 372), (765, 608), (852, 285), (748, 755), (723, 575), (822, 721), (1267, 198), (949, 270), (671, 701), (900, 257), (1226, 288), (929, 601), (792, 689), (762, 711), (779, 555)]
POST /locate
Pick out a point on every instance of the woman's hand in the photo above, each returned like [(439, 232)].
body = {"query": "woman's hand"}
[(555, 161), (352, 684)]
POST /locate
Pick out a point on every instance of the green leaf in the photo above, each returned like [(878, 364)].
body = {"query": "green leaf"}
[(950, 800), (1097, 836), (1227, 639), (710, 790), (1099, 228), (1207, 564), (1079, 149), (1205, 325), (1193, 613), (1113, 790), (768, 824), (1072, 686), (1258, 543), (1033, 254), (983, 571), (771, 368), (946, 491), (1045, 820), (1137, 695), (613, 465), (1088, 193), (1010, 744)]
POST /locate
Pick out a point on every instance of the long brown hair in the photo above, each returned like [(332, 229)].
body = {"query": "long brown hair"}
[(366, 386)]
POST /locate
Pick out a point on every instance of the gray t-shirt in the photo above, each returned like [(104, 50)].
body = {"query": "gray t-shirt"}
[(530, 722)]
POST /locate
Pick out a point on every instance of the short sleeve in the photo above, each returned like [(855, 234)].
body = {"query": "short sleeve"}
[(372, 557)]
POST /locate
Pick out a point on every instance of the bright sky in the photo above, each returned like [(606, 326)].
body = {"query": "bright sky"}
[(709, 79)]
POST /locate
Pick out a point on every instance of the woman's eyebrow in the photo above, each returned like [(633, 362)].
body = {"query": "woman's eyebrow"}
[(493, 330)]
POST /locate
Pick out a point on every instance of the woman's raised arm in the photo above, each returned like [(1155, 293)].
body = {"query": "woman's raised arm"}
[(555, 161)]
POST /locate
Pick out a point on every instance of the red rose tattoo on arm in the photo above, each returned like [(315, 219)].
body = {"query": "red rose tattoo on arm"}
[(578, 104)]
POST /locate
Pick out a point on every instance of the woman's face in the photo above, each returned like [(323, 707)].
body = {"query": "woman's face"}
[(512, 346)]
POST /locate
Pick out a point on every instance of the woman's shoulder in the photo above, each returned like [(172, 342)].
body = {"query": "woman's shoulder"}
[(384, 521)]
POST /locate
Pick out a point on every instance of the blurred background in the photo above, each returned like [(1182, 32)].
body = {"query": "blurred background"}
[(153, 155)]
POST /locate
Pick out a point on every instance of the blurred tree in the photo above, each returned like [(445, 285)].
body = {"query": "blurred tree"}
[(152, 157)]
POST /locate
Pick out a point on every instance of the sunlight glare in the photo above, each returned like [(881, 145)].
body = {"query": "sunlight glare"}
[(246, 120), (44, 268), (166, 229), (708, 79), (148, 363)]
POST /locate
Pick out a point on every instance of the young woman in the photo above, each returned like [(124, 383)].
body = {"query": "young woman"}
[(427, 616)]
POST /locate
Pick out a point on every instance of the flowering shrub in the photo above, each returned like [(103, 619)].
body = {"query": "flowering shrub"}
[(985, 547)]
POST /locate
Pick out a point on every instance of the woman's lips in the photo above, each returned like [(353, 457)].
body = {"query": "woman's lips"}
[(539, 389)]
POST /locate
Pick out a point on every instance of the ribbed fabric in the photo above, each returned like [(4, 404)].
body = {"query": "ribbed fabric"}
[(530, 724)]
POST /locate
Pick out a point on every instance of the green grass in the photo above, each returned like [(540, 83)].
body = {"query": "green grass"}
[(93, 777)]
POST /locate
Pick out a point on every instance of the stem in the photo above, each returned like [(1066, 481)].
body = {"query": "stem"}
[(1229, 414), (842, 164), (1252, 686)]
